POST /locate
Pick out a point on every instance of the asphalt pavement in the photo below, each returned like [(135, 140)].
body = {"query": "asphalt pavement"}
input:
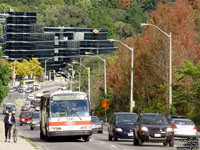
[(97, 141)]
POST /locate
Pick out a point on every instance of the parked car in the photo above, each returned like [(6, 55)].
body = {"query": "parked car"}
[(9, 106), (37, 86), (97, 125), (13, 89), (35, 103), (30, 97), (35, 120), (121, 126), (26, 106), (24, 117), (153, 127), (29, 90), (21, 88), (184, 128)]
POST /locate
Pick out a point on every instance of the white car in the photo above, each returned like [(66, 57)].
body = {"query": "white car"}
[(30, 97), (184, 128), (37, 86)]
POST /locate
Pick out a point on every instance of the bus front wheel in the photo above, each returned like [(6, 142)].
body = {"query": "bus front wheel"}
[(86, 138)]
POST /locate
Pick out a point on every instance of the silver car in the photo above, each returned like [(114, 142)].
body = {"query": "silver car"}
[(97, 125), (184, 128), (35, 120)]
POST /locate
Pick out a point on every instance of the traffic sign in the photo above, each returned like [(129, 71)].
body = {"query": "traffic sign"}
[(105, 104)]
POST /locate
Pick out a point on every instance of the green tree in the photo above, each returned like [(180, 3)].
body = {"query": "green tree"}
[(35, 67), (100, 18), (4, 77)]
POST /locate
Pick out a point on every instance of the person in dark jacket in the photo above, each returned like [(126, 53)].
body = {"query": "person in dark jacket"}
[(9, 120)]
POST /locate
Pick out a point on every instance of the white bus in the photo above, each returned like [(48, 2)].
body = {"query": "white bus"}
[(27, 83), (65, 113)]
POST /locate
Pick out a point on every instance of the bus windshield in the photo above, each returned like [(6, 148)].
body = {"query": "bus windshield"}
[(69, 108)]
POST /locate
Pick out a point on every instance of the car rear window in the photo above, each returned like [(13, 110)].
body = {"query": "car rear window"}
[(154, 119), (26, 114), (183, 122)]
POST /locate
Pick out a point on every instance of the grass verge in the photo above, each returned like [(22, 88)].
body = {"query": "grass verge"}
[(29, 141)]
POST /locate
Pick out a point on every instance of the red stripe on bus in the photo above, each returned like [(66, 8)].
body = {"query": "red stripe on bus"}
[(70, 123)]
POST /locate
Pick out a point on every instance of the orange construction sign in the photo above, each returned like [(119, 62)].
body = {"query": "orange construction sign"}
[(105, 104)]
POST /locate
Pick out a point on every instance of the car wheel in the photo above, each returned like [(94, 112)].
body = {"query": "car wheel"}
[(165, 143), (140, 143), (32, 128), (100, 132), (171, 143), (109, 137), (135, 142), (115, 139), (86, 138)]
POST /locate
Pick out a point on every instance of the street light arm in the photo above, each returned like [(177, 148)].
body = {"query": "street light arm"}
[(124, 44), (144, 24)]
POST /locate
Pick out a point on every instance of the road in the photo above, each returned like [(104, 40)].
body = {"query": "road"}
[(97, 141)]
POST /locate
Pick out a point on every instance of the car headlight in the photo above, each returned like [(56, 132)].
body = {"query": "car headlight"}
[(34, 122), (118, 129), (144, 129), (23, 119), (169, 130)]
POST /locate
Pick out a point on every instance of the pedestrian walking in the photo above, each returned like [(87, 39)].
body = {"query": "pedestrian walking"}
[(9, 120)]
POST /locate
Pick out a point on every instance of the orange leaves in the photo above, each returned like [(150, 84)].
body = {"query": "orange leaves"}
[(125, 3)]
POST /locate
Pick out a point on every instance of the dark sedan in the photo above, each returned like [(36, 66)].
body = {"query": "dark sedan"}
[(153, 127), (121, 126)]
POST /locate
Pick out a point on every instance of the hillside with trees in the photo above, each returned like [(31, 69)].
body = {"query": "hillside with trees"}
[(122, 20)]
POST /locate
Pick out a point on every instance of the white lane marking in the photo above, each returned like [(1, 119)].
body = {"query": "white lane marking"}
[(113, 146)]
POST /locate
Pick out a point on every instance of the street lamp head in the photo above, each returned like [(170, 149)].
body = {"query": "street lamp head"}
[(143, 24), (111, 40), (75, 62), (69, 64), (5, 57), (89, 53)]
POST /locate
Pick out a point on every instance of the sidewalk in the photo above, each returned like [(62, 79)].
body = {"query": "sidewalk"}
[(21, 143)]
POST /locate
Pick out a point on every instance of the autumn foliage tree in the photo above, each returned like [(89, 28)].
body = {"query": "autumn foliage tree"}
[(151, 70)]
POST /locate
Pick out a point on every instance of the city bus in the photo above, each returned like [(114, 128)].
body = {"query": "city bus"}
[(65, 113), (27, 83)]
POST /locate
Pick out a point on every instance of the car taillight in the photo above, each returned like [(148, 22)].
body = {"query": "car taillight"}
[(174, 127), (195, 128)]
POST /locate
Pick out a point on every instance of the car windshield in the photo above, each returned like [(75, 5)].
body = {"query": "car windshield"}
[(26, 114), (95, 119), (154, 119), (183, 122), (126, 118), (69, 108), (36, 115)]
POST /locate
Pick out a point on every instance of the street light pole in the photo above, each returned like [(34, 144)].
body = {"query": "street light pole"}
[(88, 68), (132, 69), (170, 62), (14, 76), (45, 67)]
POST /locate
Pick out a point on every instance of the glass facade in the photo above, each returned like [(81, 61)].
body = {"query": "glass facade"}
[(26, 39)]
